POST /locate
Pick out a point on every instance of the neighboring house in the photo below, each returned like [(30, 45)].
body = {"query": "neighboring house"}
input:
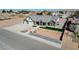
[(56, 14), (73, 24), (76, 19), (42, 20), (77, 28), (77, 23)]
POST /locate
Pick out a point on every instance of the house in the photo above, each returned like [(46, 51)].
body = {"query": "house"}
[(42, 20), (76, 19)]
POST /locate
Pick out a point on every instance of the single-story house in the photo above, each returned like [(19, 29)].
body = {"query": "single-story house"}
[(42, 20), (76, 20)]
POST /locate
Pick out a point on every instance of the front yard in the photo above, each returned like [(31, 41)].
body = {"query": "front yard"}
[(52, 28)]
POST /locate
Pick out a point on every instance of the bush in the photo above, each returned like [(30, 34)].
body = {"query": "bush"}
[(21, 16), (51, 28)]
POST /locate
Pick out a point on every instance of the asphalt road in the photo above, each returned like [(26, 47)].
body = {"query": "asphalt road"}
[(12, 41)]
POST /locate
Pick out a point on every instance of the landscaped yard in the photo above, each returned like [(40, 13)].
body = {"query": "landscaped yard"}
[(52, 28)]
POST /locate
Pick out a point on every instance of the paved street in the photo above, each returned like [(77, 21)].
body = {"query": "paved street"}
[(12, 41)]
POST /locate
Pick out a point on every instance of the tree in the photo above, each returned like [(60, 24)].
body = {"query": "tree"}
[(24, 11), (76, 14), (39, 13), (49, 13), (61, 12), (10, 11), (3, 11)]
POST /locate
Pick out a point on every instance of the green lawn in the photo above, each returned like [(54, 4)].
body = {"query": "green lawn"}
[(77, 34), (52, 28), (33, 26)]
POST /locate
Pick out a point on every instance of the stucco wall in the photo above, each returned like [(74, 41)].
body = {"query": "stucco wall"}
[(49, 33), (67, 42)]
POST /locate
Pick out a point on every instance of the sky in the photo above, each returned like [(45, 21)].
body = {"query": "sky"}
[(39, 4)]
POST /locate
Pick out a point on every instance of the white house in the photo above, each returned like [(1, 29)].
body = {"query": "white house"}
[(42, 20)]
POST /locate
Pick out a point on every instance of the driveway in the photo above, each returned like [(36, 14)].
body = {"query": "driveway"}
[(13, 41)]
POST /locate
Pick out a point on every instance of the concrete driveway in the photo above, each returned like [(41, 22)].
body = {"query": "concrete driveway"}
[(13, 41)]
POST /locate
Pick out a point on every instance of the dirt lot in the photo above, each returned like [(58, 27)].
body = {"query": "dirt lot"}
[(49, 33), (14, 20)]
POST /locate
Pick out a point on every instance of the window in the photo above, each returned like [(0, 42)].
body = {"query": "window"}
[(44, 23), (37, 23)]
